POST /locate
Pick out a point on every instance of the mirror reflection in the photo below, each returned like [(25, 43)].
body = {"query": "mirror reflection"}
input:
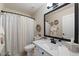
[(60, 23)]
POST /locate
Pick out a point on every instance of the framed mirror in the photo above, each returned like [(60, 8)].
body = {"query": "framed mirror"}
[(62, 22)]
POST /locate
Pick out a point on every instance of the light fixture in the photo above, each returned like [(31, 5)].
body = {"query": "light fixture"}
[(49, 5), (52, 5)]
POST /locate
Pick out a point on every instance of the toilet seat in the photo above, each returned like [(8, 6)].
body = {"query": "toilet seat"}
[(29, 47)]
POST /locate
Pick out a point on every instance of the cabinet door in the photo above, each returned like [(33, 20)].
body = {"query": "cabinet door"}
[(37, 52), (40, 52)]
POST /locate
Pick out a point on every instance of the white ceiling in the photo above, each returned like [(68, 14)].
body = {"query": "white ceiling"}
[(29, 8)]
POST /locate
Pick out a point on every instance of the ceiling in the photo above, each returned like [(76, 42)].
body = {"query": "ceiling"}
[(29, 8)]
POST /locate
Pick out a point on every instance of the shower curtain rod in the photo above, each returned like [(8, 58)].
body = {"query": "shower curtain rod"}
[(17, 14)]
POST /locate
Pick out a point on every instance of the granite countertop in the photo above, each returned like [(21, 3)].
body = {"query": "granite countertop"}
[(58, 49)]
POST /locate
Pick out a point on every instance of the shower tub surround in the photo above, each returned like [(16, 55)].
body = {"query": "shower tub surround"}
[(2, 49), (44, 47)]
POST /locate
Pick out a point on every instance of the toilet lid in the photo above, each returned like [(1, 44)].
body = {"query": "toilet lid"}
[(29, 47)]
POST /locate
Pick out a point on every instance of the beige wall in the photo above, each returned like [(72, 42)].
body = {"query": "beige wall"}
[(2, 7), (39, 17), (11, 10)]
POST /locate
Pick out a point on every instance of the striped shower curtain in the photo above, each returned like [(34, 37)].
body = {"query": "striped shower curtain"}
[(19, 32)]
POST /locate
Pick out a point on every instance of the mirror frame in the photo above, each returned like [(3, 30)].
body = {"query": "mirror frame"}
[(76, 23)]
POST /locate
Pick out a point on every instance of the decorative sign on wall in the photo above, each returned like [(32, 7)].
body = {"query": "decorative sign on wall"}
[(38, 28)]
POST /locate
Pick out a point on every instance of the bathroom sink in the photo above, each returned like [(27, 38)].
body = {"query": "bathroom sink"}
[(50, 46), (73, 47)]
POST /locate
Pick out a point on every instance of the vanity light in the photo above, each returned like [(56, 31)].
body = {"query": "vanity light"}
[(52, 5), (49, 5)]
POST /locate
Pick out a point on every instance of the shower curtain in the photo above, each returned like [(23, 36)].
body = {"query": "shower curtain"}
[(25, 32), (19, 32)]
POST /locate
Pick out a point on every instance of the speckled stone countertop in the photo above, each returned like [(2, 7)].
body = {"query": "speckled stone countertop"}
[(58, 49)]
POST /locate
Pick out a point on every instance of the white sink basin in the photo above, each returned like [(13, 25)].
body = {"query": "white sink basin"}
[(50, 46), (47, 44)]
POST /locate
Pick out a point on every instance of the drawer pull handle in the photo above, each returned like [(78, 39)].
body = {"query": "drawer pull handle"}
[(42, 52)]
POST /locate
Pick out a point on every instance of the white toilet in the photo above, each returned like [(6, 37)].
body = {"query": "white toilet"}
[(29, 49)]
